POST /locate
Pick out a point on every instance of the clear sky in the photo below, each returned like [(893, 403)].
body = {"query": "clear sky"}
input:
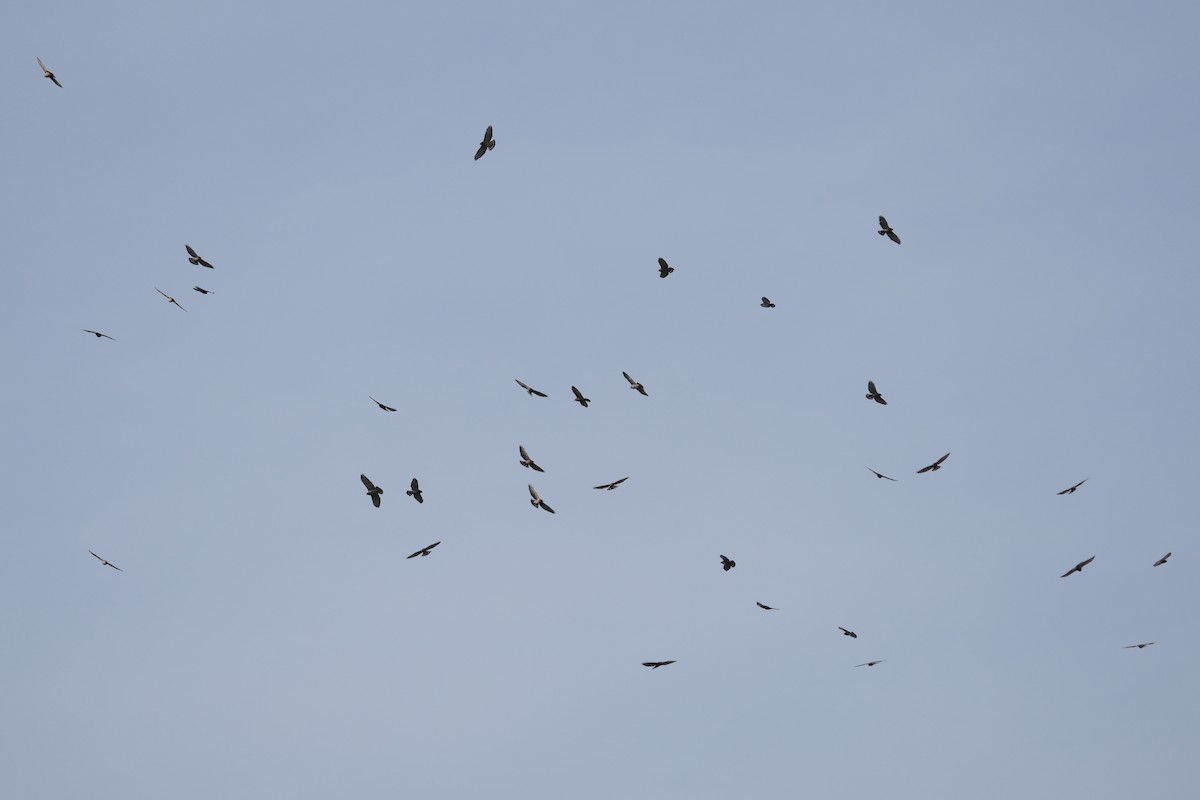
[(267, 636)]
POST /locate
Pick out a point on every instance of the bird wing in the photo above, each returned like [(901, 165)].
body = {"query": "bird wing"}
[(544, 507), (479, 153), (414, 555), (90, 550), (539, 394), (204, 263), (487, 135), (524, 454), (632, 382), (1162, 560), (1083, 564), (191, 252), (892, 235), (416, 489), (883, 223), (164, 294), (940, 460), (367, 483), (926, 469), (522, 385), (435, 544), (533, 493), (871, 387), (662, 263), (43, 66), (617, 483), (578, 394)]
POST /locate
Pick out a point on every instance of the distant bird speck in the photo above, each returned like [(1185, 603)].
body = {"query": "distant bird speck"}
[(530, 389), (372, 490), (870, 663), (536, 500), (415, 492), (727, 564), (885, 229), (1138, 646), (1078, 567), (766, 303), (107, 563), (488, 143), (764, 606), (613, 485), (935, 466), (526, 461), (873, 394), (424, 551), (579, 398), (98, 334), (663, 269), (202, 291), (195, 258), (381, 405), (637, 387), (880, 475), (49, 74), (1162, 560), (1076, 486), (170, 299), (656, 664), (845, 632)]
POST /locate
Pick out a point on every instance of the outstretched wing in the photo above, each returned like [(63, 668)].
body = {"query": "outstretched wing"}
[(487, 135), (883, 223), (43, 66), (367, 483), (479, 153), (191, 252), (632, 382), (533, 493)]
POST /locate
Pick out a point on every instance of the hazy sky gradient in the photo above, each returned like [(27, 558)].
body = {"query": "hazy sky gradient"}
[(267, 638)]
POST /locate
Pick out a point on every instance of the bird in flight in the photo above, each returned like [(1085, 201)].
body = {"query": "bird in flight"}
[(381, 405), (1138, 646), (1073, 488), (526, 461), (613, 485), (1162, 560), (637, 387), (873, 394), (884, 228), (373, 490), (663, 269), (845, 632), (98, 334), (201, 291), (415, 492), (195, 258), (579, 398), (880, 475), (766, 303), (488, 143), (1078, 567), (530, 389), (727, 564), (656, 664), (424, 551), (49, 74), (169, 298), (107, 563), (935, 466), (870, 663), (764, 606), (536, 500)]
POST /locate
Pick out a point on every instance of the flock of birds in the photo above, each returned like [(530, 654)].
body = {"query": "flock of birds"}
[(375, 492)]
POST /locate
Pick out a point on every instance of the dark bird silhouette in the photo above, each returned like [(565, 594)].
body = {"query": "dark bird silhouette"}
[(1078, 567), (1162, 560), (169, 298), (373, 490), (424, 551), (1138, 646), (202, 291), (845, 632), (870, 663), (530, 389), (536, 500), (579, 398), (613, 485), (415, 492), (50, 75), (98, 334), (766, 303), (1073, 488), (727, 564), (764, 607), (663, 269), (526, 461), (880, 475), (195, 258), (637, 387), (935, 466), (873, 394), (656, 664), (107, 563), (381, 405), (488, 143), (884, 228)]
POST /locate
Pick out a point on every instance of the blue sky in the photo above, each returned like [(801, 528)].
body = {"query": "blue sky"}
[(267, 636)]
